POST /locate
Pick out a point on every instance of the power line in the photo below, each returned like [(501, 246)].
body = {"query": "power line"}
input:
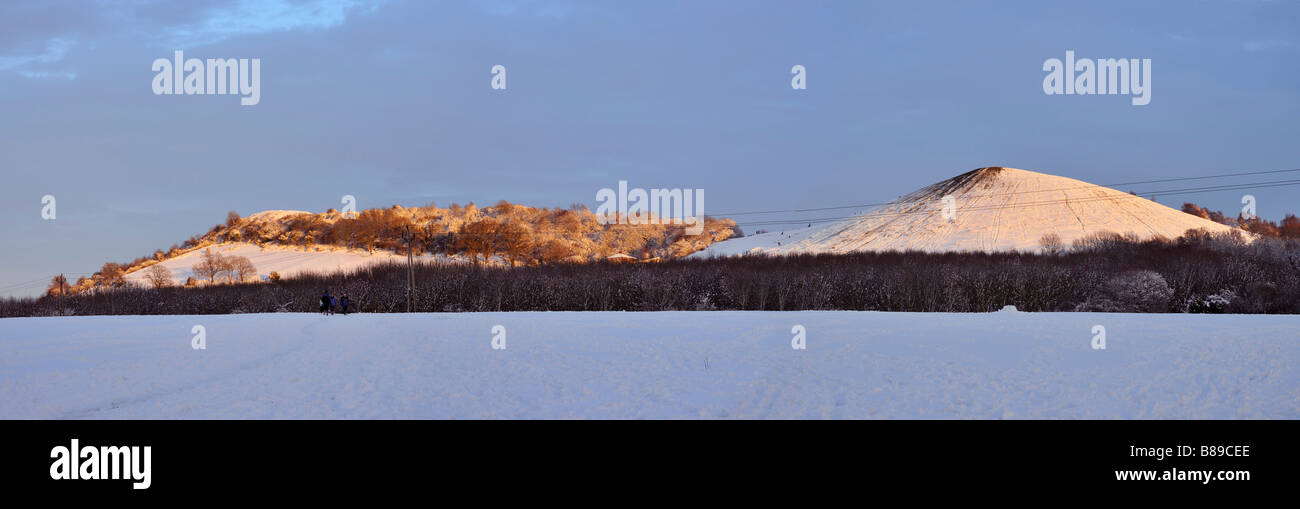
[(25, 285)]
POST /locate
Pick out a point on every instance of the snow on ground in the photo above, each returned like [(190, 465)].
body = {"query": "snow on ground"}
[(652, 365), (993, 209), (287, 261)]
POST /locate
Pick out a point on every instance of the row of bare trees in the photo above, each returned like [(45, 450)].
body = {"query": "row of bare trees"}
[(1197, 273), (216, 267)]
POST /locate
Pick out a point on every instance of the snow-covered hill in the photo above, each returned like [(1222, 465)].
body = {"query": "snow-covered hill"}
[(287, 261), (992, 209), (652, 365)]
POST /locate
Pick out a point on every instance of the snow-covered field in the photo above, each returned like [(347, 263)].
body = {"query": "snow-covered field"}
[(652, 365)]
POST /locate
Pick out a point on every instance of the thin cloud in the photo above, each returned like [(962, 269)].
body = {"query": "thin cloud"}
[(47, 74), (247, 17), (54, 51), (239, 18), (1273, 45), (550, 9)]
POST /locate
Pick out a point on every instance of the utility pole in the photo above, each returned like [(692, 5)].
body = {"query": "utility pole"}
[(410, 270)]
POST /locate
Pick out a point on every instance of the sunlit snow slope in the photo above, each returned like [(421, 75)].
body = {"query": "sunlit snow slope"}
[(286, 261), (994, 209)]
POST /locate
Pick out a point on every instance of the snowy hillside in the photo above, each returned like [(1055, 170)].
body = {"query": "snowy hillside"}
[(652, 365), (993, 209), (286, 261)]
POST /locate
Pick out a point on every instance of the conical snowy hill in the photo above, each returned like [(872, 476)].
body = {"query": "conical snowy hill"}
[(992, 209)]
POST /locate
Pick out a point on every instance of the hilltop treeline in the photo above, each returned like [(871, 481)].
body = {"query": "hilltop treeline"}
[(516, 234), (1288, 228), (519, 234), (1196, 273)]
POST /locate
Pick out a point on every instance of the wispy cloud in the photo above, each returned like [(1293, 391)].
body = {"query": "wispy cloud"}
[(34, 55), (249, 17), (1270, 45), (555, 9), (47, 74), (54, 50)]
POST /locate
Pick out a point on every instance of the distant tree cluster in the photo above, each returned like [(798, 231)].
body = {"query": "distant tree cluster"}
[(230, 269), (516, 234), (214, 267), (1288, 228), (1199, 272), (113, 275)]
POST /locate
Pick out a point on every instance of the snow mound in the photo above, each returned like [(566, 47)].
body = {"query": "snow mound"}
[(991, 209)]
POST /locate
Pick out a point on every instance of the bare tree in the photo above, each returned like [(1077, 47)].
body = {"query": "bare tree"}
[(479, 238), (516, 241), (1051, 244), (226, 268), (209, 267), (158, 276), (243, 268)]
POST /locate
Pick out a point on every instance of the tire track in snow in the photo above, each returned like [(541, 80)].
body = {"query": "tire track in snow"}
[(117, 403)]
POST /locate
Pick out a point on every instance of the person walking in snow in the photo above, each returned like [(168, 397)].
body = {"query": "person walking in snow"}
[(325, 302), (344, 303), (332, 304)]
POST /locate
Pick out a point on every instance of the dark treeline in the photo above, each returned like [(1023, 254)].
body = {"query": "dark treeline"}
[(1195, 273)]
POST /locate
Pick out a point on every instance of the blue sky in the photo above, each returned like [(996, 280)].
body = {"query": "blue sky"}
[(390, 101)]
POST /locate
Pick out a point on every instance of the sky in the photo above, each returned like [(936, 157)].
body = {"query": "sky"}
[(391, 101)]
